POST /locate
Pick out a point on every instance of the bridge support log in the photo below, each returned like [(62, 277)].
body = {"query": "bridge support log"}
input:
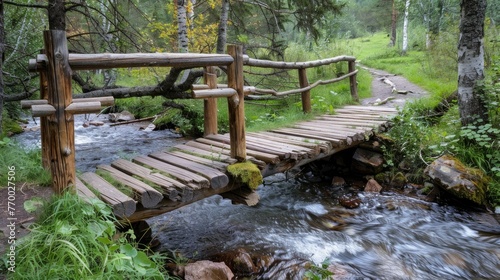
[(352, 80), (236, 104), (60, 124), (210, 104), (306, 95)]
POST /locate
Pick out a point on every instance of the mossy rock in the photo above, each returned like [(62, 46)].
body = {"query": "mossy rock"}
[(11, 127), (246, 173)]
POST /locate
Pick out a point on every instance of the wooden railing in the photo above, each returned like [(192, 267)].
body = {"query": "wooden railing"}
[(57, 107)]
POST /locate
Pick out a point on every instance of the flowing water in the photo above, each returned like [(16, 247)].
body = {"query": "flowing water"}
[(390, 236)]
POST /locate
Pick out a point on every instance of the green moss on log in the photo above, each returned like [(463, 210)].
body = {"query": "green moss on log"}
[(247, 173)]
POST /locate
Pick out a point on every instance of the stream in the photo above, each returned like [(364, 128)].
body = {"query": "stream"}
[(390, 236)]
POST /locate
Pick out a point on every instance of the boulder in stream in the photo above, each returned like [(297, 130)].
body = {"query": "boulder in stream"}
[(367, 162), (461, 181), (207, 270), (373, 186)]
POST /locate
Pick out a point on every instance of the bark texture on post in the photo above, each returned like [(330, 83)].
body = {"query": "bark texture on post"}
[(306, 95), (236, 104), (44, 124), (61, 124), (471, 61), (210, 104), (352, 81)]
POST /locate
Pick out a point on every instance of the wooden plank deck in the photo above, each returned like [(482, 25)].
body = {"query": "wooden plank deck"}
[(165, 180)]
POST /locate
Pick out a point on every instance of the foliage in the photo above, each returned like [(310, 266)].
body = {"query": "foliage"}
[(318, 272), (76, 239), (28, 163)]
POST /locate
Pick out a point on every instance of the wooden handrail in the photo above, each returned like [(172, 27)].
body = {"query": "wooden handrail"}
[(125, 60), (295, 65), (304, 89)]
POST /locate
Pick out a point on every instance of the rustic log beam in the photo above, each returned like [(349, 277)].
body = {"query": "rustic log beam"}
[(210, 103), (311, 86), (296, 65), (125, 60), (352, 80), (43, 110), (26, 104), (213, 93), (305, 95), (61, 128), (236, 104), (84, 107)]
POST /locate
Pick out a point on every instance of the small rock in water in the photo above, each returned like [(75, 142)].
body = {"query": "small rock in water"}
[(207, 270), (96, 123), (350, 201), (338, 182), (373, 186)]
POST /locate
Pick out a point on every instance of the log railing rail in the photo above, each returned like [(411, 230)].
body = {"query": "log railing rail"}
[(57, 107), (305, 87)]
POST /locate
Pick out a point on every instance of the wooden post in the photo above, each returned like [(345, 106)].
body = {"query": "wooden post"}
[(44, 125), (236, 104), (306, 95), (210, 104), (60, 124), (352, 80)]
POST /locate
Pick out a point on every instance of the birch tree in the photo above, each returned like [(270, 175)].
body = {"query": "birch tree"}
[(222, 30), (471, 62), (405, 27), (182, 26)]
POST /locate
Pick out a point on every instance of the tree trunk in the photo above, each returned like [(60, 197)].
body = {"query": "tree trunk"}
[(57, 15), (222, 33), (182, 26), (405, 28), (471, 61), (2, 49), (393, 24)]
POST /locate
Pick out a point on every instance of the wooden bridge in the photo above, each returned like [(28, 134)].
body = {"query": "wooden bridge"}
[(165, 180)]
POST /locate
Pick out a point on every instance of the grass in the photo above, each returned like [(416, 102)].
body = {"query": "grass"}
[(73, 239), (27, 164)]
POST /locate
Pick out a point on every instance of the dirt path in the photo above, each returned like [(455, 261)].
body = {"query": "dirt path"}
[(383, 91)]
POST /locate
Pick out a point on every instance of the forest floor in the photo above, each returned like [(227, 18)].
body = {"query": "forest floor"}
[(23, 219)]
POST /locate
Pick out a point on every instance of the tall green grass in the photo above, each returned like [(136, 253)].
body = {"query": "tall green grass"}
[(74, 239), (27, 164)]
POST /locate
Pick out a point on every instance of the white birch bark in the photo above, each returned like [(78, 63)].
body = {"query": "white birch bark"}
[(182, 26), (471, 61), (405, 27)]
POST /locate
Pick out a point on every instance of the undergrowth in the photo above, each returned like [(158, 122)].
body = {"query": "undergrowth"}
[(74, 239), (27, 163)]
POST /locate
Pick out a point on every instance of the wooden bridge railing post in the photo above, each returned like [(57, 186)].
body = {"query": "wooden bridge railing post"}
[(60, 124), (236, 103), (352, 80), (210, 104), (306, 95), (44, 125)]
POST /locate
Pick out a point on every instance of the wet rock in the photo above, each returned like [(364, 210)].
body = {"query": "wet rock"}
[(340, 271), (338, 182), (367, 162), (383, 177), (372, 146), (96, 123), (350, 201), (121, 117), (398, 180), (455, 178), (207, 270), (373, 186), (239, 261)]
